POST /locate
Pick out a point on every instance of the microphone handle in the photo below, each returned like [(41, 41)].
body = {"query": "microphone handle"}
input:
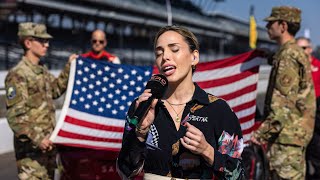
[(142, 110)]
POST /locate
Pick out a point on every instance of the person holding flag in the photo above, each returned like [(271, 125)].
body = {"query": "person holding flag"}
[(30, 90), (99, 163), (98, 52)]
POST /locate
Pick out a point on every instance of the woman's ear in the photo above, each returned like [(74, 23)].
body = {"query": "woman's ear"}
[(195, 59)]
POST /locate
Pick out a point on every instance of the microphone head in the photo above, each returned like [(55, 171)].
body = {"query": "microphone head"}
[(158, 85)]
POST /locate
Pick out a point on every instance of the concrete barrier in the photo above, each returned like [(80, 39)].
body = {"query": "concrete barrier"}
[(6, 137)]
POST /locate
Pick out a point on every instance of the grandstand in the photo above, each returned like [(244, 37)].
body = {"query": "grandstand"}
[(130, 27)]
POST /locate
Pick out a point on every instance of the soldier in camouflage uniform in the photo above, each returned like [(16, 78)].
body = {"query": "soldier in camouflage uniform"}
[(290, 100), (30, 90)]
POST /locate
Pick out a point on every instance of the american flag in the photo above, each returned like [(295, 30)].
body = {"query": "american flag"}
[(235, 80), (100, 93), (98, 96)]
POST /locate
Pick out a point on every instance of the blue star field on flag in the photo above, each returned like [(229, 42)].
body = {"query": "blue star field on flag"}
[(107, 89)]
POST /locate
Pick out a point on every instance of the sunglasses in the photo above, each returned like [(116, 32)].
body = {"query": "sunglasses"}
[(40, 40), (94, 41)]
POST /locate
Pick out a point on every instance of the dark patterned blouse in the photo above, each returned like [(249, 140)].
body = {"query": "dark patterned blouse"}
[(163, 154)]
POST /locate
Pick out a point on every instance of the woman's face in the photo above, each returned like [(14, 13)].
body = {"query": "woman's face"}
[(173, 56)]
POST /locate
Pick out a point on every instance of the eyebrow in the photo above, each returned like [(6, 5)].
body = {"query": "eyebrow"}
[(170, 45)]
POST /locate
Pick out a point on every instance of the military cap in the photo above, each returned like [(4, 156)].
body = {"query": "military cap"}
[(285, 13), (34, 30)]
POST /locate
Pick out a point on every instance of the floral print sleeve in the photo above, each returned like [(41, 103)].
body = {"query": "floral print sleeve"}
[(230, 145), (227, 155)]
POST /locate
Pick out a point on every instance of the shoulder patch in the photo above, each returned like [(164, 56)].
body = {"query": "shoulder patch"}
[(12, 96), (285, 80), (11, 92)]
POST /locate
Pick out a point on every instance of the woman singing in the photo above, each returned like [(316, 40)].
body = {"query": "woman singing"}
[(188, 133)]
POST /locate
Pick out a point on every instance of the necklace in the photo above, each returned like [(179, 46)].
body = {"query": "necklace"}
[(177, 114), (171, 104), (178, 104)]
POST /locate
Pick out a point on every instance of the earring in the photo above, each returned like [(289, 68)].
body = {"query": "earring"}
[(193, 67)]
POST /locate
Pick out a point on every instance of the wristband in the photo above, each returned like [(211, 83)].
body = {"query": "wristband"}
[(132, 121)]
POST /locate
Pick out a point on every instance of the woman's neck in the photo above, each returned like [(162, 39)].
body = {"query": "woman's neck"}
[(181, 93)]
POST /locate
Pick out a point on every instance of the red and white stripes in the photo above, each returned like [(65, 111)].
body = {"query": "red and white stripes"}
[(235, 80)]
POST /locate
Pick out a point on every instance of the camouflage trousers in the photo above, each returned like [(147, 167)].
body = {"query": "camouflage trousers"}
[(30, 169), (33, 164), (287, 161)]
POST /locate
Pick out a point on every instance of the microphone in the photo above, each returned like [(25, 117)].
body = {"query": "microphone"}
[(158, 85)]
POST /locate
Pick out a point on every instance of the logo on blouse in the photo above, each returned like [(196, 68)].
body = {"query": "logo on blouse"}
[(198, 118)]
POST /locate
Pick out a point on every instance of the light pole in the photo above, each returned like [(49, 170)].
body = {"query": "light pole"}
[(169, 13)]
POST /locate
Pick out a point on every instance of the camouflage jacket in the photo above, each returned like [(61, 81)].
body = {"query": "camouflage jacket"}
[(30, 90), (290, 99)]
